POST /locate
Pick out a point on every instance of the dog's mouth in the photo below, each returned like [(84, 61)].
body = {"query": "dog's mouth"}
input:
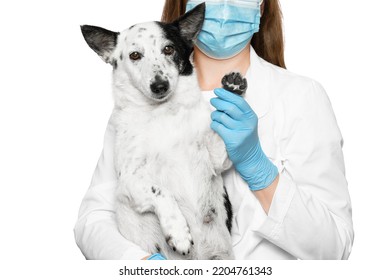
[(161, 97)]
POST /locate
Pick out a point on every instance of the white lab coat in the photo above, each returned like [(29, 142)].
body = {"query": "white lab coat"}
[(310, 215)]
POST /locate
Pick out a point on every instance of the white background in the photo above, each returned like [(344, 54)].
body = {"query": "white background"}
[(55, 103)]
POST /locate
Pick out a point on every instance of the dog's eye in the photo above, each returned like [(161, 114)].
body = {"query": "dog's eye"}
[(135, 56), (168, 50)]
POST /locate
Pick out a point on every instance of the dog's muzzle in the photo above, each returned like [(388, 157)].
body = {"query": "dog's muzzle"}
[(159, 87)]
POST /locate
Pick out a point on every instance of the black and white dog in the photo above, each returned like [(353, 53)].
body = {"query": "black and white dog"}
[(171, 197)]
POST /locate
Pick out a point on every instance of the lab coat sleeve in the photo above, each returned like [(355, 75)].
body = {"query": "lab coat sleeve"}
[(96, 232), (310, 215)]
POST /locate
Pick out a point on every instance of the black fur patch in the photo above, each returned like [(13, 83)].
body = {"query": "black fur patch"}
[(229, 210), (99, 39), (114, 64), (183, 49), (182, 33), (157, 192)]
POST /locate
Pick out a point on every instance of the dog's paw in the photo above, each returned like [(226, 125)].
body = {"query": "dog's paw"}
[(235, 82), (180, 240)]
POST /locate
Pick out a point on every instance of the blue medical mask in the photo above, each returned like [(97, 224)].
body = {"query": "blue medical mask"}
[(228, 26)]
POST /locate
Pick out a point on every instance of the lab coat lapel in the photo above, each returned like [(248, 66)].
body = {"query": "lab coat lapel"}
[(257, 94)]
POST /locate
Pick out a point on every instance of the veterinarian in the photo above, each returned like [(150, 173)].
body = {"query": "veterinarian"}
[(288, 188)]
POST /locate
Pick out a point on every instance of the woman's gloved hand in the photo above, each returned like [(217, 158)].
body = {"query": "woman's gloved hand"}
[(236, 123), (156, 257)]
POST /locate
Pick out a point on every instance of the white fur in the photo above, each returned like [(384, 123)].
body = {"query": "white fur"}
[(168, 160)]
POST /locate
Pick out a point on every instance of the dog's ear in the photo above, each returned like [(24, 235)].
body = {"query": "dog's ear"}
[(191, 22), (101, 40)]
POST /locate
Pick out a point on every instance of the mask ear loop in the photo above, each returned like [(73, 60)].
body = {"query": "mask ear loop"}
[(191, 58)]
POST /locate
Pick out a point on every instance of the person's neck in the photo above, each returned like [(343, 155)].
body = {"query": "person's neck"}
[(210, 71)]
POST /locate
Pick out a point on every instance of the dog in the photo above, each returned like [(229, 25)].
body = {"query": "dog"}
[(170, 196)]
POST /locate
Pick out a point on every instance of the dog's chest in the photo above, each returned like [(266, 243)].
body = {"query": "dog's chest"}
[(171, 139)]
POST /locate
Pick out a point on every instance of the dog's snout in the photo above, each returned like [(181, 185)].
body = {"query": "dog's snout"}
[(159, 87)]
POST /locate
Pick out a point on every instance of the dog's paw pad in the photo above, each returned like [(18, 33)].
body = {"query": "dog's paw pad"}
[(235, 82)]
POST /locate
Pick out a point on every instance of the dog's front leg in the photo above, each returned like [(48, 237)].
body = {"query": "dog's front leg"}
[(218, 153), (236, 83), (146, 196)]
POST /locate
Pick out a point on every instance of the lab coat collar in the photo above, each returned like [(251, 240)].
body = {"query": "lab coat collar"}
[(258, 78)]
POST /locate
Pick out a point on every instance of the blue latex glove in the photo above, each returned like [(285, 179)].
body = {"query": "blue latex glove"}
[(156, 257), (236, 123)]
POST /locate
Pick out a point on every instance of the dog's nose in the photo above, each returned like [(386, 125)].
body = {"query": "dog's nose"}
[(159, 87)]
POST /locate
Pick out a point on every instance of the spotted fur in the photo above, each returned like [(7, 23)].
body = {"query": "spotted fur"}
[(169, 162)]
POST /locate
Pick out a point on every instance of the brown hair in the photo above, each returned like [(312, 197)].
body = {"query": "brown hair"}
[(268, 42)]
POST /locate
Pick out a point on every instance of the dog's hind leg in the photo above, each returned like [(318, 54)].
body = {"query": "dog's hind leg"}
[(146, 196), (215, 223)]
